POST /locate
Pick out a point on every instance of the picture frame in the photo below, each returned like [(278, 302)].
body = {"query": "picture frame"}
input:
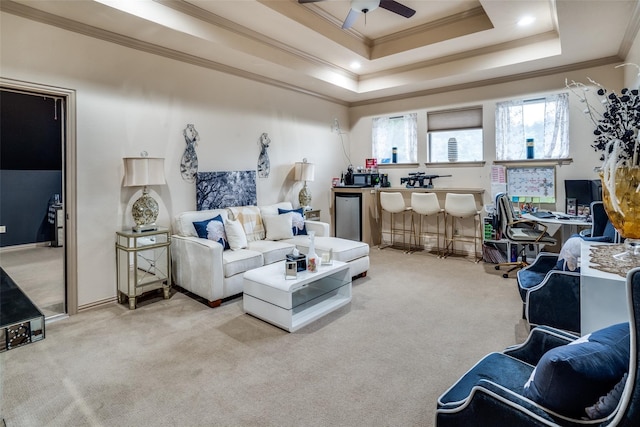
[(571, 206)]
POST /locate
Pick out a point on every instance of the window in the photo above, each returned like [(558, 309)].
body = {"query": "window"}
[(545, 120), (455, 135), (400, 132)]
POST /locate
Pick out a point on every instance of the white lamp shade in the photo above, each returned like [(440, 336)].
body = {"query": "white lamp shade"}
[(141, 171), (304, 171)]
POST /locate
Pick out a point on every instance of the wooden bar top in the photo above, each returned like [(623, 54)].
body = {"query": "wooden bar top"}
[(409, 190)]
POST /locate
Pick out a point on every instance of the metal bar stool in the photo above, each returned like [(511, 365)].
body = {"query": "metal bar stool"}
[(425, 205), (457, 207), (393, 202)]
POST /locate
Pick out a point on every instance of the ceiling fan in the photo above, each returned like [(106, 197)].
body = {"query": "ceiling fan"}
[(366, 6)]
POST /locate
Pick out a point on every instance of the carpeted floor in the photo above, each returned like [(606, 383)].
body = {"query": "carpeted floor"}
[(416, 324)]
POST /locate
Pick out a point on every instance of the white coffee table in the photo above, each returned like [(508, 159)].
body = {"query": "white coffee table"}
[(293, 303)]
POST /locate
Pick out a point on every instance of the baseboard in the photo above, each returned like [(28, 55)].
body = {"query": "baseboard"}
[(96, 304)]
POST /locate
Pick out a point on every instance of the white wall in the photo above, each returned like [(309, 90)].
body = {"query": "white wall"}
[(581, 136), (129, 101)]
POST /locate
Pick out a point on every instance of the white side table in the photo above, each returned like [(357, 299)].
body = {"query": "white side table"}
[(143, 262), (603, 296)]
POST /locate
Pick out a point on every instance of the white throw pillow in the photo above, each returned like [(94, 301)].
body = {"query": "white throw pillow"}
[(570, 253), (235, 234), (278, 226)]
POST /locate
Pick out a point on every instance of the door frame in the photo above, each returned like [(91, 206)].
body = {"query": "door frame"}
[(69, 174)]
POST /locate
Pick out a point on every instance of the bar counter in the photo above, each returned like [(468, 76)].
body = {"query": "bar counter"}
[(370, 205)]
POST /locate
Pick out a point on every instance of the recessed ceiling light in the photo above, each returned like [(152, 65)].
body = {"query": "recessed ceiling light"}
[(526, 20), (355, 65)]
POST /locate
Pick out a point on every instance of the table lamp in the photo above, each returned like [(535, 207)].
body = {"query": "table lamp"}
[(142, 172), (304, 172)]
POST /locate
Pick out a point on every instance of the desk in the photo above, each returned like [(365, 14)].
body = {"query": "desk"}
[(603, 296), (567, 227)]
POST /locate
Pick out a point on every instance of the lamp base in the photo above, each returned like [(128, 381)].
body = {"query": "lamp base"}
[(304, 197), (144, 227), (145, 212)]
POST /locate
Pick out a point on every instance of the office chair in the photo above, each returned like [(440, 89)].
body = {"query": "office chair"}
[(518, 232), (602, 229)]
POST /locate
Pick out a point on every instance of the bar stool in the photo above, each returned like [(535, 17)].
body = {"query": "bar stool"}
[(457, 207), (393, 202), (425, 205)]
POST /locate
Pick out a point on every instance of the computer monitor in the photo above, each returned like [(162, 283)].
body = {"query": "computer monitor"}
[(583, 191)]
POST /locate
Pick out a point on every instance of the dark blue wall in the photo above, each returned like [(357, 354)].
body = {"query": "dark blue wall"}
[(25, 204), (31, 153)]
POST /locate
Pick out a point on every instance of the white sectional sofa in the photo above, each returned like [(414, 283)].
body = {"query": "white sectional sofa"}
[(203, 267)]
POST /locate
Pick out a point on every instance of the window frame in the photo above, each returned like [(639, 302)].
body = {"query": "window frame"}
[(555, 145), (455, 120), (410, 145)]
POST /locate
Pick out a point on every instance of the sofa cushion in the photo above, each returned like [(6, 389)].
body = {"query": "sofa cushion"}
[(251, 220), (278, 227), (235, 234), (183, 223), (342, 249), (212, 229), (297, 220), (572, 377), (273, 209), (239, 261), (272, 251)]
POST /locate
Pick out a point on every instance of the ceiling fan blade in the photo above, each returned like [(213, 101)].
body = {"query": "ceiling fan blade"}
[(350, 19), (308, 1), (395, 7)]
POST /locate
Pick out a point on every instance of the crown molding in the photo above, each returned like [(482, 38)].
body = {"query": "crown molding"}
[(493, 81), (109, 36)]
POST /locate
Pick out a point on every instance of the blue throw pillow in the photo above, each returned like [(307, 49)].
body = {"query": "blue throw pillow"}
[(299, 229), (212, 229), (572, 377)]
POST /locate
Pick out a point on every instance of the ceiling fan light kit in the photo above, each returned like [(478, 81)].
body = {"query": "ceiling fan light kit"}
[(366, 6)]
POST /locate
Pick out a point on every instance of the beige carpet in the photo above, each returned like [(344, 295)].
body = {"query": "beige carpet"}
[(415, 324)]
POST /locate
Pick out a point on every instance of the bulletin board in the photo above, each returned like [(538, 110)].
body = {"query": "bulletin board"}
[(535, 183)]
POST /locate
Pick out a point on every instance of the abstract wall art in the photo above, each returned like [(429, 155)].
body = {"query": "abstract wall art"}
[(218, 190)]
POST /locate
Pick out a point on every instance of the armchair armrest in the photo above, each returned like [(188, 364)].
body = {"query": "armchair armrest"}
[(197, 266), (321, 228), (544, 262), (492, 404), (540, 340), (555, 301)]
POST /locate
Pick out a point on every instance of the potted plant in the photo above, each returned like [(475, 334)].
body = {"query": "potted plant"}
[(616, 119)]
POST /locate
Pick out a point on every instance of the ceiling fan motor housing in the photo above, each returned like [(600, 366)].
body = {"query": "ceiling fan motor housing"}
[(365, 6)]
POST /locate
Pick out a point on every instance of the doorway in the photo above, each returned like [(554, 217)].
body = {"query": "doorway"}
[(37, 194)]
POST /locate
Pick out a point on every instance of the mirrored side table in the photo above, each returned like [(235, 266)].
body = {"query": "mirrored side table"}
[(143, 262)]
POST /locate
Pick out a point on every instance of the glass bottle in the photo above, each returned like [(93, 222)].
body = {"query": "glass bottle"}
[(312, 257)]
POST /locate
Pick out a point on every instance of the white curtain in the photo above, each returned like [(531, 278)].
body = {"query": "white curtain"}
[(397, 131), (511, 133)]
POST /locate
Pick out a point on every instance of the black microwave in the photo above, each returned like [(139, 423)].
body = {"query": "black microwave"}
[(365, 179)]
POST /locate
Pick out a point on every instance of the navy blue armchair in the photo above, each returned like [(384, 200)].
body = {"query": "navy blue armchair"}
[(550, 296), (497, 390)]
